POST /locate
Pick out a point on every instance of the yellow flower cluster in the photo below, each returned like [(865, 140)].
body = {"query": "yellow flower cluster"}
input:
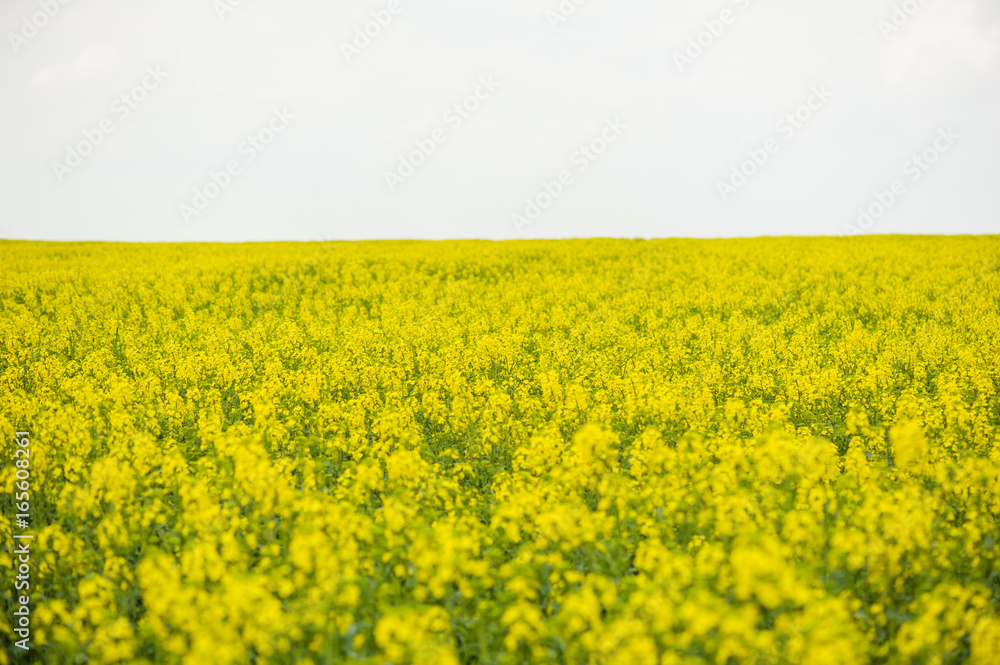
[(582, 452)]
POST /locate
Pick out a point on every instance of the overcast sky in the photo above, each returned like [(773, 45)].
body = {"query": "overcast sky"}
[(281, 119)]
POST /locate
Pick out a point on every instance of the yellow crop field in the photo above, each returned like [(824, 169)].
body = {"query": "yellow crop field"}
[(596, 451)]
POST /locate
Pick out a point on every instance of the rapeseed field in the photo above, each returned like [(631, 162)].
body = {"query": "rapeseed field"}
[(602, 451)]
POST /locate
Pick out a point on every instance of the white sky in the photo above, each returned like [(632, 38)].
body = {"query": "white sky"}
[(323, 176)]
